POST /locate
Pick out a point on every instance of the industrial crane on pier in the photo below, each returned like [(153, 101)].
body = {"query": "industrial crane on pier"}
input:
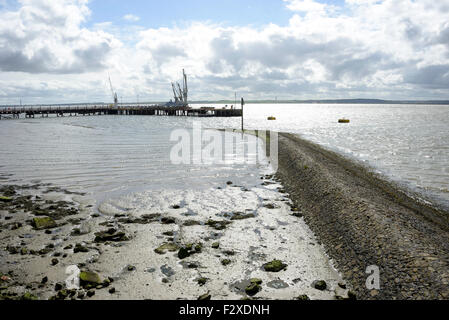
[(114, 94), (180, 94)]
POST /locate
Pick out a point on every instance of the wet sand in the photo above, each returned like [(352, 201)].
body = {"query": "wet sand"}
[(363, 220), (163, 245)]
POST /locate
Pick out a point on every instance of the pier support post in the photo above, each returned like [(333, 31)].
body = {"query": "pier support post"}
[(243, 103)]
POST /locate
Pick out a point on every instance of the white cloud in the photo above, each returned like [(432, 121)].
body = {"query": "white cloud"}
[(396, 48), (131, 17)]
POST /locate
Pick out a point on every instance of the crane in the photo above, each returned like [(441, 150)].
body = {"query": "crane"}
[(174, 92), (114, 94), (185, 90)]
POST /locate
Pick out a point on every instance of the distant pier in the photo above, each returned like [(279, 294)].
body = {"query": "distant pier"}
[(91, 110)]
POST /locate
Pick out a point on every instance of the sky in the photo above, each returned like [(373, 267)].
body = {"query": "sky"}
[(64, 51)]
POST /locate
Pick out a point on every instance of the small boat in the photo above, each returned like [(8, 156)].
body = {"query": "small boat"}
[(343, 121), (271, 118)]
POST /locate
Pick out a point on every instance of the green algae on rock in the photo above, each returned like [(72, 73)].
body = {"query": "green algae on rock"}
[(171, 247), (274, 266), (43, 223), (253, 289), (89, 277)]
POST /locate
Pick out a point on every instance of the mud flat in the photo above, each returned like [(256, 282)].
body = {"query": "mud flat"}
[(230, 242), (363, 220)]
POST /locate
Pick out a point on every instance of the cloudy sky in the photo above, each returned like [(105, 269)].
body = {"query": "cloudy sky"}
[(63, 50)]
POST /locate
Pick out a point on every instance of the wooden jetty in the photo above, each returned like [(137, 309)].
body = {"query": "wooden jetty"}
[(90, 110)]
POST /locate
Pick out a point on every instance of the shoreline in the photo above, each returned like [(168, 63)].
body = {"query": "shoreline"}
[(363, 220), (163, 245)]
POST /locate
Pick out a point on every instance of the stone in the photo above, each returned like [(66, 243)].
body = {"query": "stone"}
[(28, 296), (40, 223), (171, 247), (256, 280), (5, 199), (112, 290), (183, 253), (54, 261), (168, 220), (225, 262), (131, 268), (274, 266), (215, 245), (80, 248), (202, 281), (242, 216), (89, 277), (253, 289), (319, 285), (204, 297), (90, 293), (110, 235)]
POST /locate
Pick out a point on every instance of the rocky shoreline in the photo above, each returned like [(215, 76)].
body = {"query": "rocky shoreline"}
[(363, 220), (51, 237)]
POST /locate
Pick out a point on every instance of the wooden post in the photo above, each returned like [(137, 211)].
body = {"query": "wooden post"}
[(243, 103)]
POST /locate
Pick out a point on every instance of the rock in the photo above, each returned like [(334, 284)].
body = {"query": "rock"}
[(215, 245), (319, 285), (190, 223), (90, 293), (225, 262), (81, 294), (205, 296), (202, 281), (253, 289), (352, 295), (89, 277), (54, 261), (44, 280), (5, 199), (62, 294), (238, 216), (28, 296), (217, 225), (12, 249), (229, 183), (342, 285), (172, 247), (274, 266), (302, 297), (131, 268), (176, 206), (112, 290), (40, 223), (198, 247), (110, 235), (80, 248), (256, 280), (168, 220), (183, 253)]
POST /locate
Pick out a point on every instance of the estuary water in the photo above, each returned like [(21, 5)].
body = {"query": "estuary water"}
[(111, 156)]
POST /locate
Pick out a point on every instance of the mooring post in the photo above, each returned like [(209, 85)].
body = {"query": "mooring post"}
[(243, 103)]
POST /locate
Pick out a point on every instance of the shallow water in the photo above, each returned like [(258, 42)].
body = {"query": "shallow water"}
[(109, 156)]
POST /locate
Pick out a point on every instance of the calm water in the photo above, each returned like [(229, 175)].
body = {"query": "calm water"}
[(115, 155)]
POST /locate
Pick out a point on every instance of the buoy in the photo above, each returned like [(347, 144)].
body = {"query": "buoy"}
[(343, 121), (271, 118)]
